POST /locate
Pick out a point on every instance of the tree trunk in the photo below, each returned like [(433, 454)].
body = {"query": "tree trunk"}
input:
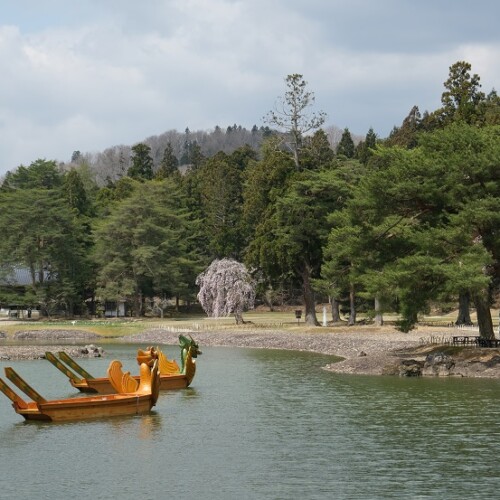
[(296, 158), (335, 309), (268, 299), (138, 302), (309, 299), (484, 319), (33, 276), (379, 320), (352, 306), (463, 317)]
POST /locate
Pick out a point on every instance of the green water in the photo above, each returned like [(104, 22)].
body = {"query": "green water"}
[(261, 424)]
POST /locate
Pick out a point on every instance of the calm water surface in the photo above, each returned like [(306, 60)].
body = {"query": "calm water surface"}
[(261, 424)]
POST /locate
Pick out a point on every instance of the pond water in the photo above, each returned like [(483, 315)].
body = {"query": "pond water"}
[(261, 424)]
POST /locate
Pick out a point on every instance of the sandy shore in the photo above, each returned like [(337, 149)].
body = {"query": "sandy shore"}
[(344, 342), (364, 349)]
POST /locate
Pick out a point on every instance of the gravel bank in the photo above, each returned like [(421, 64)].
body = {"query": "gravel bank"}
[(8, 353), (365, 349), (345, 343), (37, 349)]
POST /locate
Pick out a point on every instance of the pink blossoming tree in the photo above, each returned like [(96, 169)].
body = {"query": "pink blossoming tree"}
[(226, 287)]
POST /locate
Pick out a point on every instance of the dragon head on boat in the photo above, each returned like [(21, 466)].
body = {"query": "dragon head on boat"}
[(148, 356), (188, 346)]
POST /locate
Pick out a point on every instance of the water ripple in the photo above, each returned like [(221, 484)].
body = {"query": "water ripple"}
[(263, 424)]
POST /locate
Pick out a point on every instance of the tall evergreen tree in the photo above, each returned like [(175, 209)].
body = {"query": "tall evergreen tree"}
[(429, 216), (290, 218), (74, 192), (346, 145), (142, 163), (365, 148), (169, 164), (406, 135), (491, 109), (462, 98), (317, 152), (41, 174), (40, 232), (143, 250), (221, 195)]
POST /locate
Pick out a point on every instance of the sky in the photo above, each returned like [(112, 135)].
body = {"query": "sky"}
[(91, 74)]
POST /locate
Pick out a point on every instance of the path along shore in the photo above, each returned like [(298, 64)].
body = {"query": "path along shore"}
[(367, 350)]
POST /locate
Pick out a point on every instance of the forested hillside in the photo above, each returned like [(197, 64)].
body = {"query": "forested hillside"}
[(372, 225), (113, 163)]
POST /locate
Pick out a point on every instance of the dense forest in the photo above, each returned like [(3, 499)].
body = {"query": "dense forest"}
[(371, 225)]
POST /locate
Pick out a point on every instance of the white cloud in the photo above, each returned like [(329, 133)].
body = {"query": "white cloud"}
[(115, 72)]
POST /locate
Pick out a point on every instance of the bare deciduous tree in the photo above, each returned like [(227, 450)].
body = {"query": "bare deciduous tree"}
[(290, 113)]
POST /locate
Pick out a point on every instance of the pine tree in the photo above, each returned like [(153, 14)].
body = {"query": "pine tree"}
[(365, 148), (169, 165), (346, 145), (142, 163)]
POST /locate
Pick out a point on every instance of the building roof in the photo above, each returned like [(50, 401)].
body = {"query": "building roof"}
[(18, 276)]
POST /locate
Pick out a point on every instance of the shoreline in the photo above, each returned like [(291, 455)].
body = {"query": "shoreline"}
[(365, 350)]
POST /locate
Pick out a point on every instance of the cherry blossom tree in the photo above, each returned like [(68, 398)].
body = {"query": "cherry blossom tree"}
[(226, 287)]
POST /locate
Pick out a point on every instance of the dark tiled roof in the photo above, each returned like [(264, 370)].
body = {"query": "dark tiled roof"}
[(18, 276)]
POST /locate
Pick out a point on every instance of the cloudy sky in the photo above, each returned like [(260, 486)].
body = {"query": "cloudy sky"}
[(89, 74)]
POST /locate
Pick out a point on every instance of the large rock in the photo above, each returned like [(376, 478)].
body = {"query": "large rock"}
[(91, 351), (438, 365), (410, 368)]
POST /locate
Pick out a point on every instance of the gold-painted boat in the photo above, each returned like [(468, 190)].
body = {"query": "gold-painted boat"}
[(125, 401), (170, 375)]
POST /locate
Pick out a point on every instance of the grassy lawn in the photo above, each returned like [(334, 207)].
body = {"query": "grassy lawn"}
[(114, 327)]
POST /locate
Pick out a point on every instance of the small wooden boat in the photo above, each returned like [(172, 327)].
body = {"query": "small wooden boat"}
[(171, 376), (124, 402)]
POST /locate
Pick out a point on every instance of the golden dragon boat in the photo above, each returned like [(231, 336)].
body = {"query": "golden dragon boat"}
[(170, 374), (128, 399)]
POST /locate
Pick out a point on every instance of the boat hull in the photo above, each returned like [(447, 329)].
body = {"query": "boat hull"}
[(87, 408), (124, 402), (170, 376)]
